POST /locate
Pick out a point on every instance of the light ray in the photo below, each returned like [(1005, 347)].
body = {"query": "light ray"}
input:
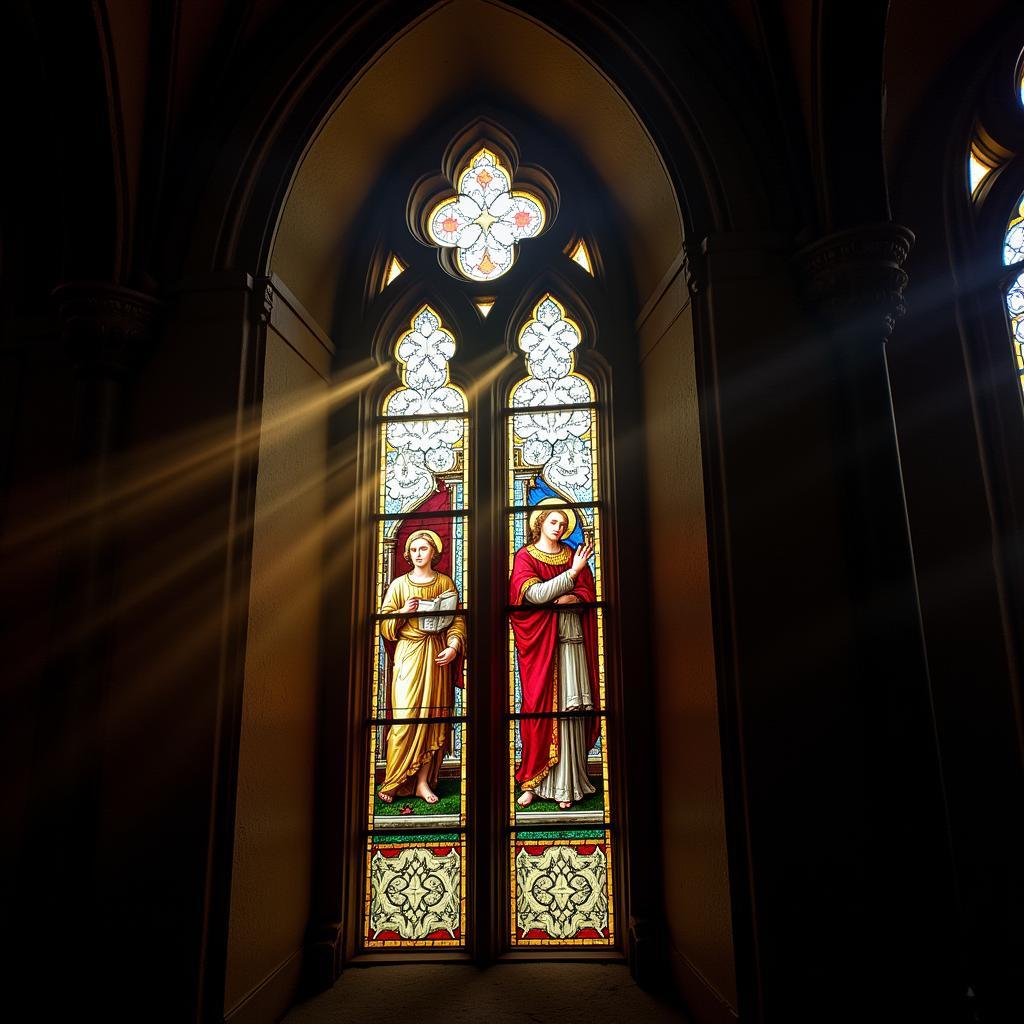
[(151, 476)]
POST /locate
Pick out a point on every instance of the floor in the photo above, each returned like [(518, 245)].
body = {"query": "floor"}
[(562, 993)]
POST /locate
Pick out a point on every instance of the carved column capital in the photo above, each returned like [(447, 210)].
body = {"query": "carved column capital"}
[(265, 307), (107, 329), (856, 273), (693, 273)]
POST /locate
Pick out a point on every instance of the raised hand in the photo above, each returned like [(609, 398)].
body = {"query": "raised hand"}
[(411, 605), (581, 556)]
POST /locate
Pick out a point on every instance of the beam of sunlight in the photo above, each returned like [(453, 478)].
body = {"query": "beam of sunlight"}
[(139, 590), (169, 468), (483, 376), (199, 626)]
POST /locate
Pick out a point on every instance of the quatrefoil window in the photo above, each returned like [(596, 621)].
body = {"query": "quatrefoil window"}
[(486, 220)]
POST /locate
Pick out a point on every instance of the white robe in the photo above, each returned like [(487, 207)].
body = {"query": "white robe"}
[(567, 779)]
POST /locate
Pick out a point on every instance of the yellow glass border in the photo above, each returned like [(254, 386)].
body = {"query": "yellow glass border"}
[(511, 711), (1014, 220), (511, 771), (399, 944), (462, 776), (1015, 321), (403, 364), (462, 446), (461, 842), (460, 190), (539, 817), (517, 943), (513, 441), (595, 530)]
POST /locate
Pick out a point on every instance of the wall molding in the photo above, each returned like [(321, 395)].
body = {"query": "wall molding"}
[(299, 328), (654, 299), (704, 1003), (670, 301), (273, 996)]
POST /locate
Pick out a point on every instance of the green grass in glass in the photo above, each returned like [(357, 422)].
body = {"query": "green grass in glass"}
[(447, 790), (594, 802)]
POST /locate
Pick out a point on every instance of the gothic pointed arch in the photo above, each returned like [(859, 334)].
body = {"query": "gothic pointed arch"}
[(264, 216)]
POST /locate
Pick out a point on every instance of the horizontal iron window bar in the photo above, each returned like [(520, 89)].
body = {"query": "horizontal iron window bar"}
[(553, 507), (424, 615), (568, 713), (423, 417), (422, 720), (522, 828), (529, 410), (401, 834), (438, 513), (546, 607)]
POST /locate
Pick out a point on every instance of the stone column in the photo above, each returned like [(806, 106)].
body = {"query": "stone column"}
[(107, 331), (853, 284)]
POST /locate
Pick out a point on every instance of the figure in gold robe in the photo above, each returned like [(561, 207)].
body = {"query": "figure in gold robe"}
[(426, 666)]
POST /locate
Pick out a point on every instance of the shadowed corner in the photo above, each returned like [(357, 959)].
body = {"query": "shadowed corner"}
[(167, 506)]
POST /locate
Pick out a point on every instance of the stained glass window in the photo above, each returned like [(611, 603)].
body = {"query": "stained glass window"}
[(416, 854), (977, 169), (1013, 256), (395, 269), (558, 812), (560, 819), (486, 219), (581, 254)]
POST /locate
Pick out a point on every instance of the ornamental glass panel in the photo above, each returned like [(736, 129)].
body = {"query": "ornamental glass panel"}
[(486, 219), (1013, 254), (1015, 309), (415, 891), (416, 733), (561, 888), (1013, 242), (560, 818)]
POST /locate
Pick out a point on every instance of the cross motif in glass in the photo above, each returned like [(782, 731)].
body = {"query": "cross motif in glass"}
[(486, 219)]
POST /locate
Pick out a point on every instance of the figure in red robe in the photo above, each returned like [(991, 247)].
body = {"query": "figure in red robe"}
[(558, 666)]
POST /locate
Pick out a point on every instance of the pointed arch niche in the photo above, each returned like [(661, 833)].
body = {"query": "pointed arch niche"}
[(349, 209)]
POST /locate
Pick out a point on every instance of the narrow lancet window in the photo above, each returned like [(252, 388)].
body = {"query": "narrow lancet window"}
[(416, 846), (1013, 257), (560, 819)]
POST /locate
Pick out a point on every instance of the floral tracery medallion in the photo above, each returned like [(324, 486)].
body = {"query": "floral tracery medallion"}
[(486, 219)]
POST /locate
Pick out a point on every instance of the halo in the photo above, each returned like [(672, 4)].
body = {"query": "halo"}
[(570, 526), (430, 535)]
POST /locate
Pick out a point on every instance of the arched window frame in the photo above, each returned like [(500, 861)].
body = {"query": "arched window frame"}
[(379, 310), (990, 190), (990, 119)]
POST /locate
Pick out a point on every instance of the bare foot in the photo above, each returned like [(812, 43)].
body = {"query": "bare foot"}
[(384, 798), (526, 799), (565, 804), (424, 792)]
